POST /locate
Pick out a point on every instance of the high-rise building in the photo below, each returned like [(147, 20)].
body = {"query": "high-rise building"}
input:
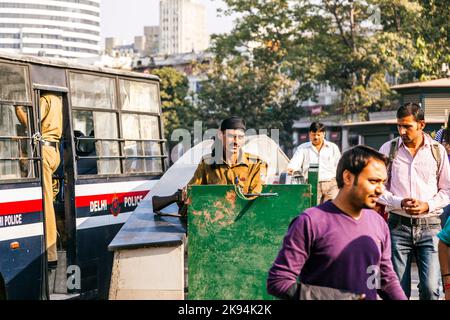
[(53, 28), (152, 35), (110, 44), (183, 26), (139, 45)]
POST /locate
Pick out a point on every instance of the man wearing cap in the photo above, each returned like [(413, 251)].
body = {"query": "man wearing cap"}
[(228, 164)]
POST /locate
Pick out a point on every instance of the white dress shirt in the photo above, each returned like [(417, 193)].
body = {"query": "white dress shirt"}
[(415, 177), (327, 159)]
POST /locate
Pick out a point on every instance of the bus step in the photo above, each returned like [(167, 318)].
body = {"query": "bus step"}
[(57, 278), (58, 296)]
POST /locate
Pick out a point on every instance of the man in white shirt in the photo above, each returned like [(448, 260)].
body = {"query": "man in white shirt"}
[(322, 152)]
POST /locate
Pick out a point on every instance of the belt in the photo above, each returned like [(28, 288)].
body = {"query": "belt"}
[(413, 221), (331, 180), (50, 144)]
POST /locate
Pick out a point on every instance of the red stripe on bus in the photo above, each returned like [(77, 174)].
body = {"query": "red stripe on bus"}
[(31, 206), (85, 201), (28, 206)]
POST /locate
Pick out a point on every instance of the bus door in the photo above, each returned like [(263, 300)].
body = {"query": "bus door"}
[(115, 167), (22, 249), (63, 186)]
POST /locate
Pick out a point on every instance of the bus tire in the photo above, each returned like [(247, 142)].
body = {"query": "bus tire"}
[(2, 289)]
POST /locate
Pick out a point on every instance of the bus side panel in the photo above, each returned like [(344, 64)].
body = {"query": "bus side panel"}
[(101, 211), (22, 269), (95, 261), (22, 242)]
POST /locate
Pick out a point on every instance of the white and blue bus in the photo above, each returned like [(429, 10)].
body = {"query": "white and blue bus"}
[(112, 152)]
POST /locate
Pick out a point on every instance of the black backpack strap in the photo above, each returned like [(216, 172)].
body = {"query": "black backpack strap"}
[(392, 154)]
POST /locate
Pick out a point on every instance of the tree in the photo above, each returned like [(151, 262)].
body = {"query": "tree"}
[(174, 90), (353, 52), (251, 76), (279, 50), (425, 23)]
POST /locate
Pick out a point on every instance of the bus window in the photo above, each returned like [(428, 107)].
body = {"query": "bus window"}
[(13, 83), (138, 149), (96, 127), (92, 92), (139, 96), (15, 146), (85, 148), (141, 132), (15, 133), (141, 127), (105, 126)]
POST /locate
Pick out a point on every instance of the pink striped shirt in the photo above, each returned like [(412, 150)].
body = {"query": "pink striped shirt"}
[(415, 177)]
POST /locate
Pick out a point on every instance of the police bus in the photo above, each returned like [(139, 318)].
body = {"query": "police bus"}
[(112, 152)]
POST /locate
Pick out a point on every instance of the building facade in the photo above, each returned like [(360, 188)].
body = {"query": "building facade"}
[(52, 28), (110, 44), (183, 27), (152, 35)]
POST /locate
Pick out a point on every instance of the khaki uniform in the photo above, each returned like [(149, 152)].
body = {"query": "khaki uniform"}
[(51, 130), (250, 171)]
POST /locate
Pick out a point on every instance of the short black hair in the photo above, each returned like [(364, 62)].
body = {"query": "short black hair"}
[(411, 109), (355, 160), (233, 123), (317, 127)]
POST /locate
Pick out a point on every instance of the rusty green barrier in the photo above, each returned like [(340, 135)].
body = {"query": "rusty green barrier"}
[(233, 242)]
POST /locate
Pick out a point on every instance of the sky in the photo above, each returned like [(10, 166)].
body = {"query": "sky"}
[(125, 19)]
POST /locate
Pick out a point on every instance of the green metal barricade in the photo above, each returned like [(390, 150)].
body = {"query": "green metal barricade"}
[(233, 242)]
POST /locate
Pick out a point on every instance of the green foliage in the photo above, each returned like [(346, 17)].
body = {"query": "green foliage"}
[(426, 24), (264, 98), (354, 54), (253, 75), (174, 89), (279, 50)]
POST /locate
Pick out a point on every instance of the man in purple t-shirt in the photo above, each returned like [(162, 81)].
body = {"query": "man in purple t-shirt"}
[(341, 244)]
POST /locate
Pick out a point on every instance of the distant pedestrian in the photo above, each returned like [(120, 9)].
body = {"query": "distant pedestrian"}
[(417, 190), (443, 137), (342, 244), (323, 153)]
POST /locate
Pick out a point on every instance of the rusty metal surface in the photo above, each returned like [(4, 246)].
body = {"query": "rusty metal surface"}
[(233, 242)]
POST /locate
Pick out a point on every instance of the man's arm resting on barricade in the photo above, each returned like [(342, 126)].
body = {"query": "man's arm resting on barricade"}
[(296, 162)]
